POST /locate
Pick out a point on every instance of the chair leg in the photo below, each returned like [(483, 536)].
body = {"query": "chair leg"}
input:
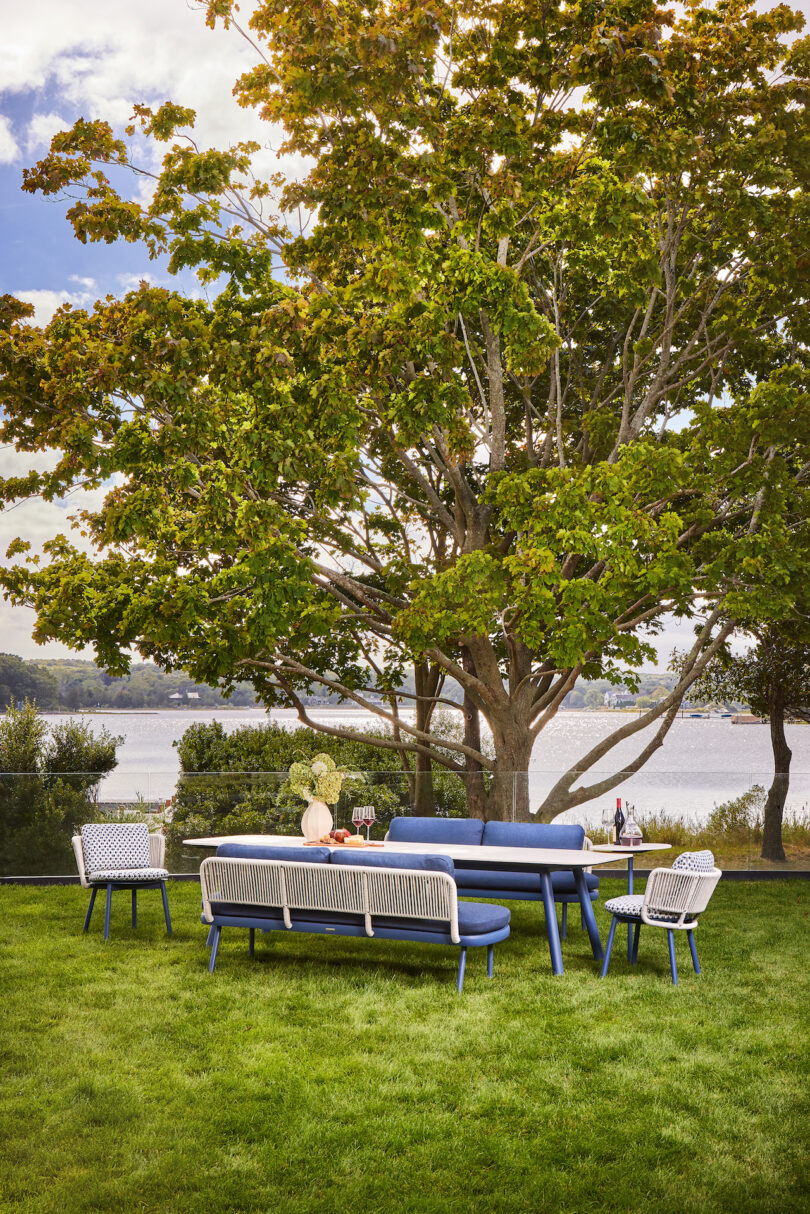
[(210, 938), (634, 950), (490, 959), (252, 941), (462, 963), (134, 908), (672, 965), (609, 946), (107, 913), (166, 908), (93, 893), (564, 927), (214, 947), (690, 936)]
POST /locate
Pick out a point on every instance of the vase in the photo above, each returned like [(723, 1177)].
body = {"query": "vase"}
[(316, 821)]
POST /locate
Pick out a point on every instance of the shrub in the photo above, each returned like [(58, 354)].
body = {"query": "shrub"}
[(49, 779)]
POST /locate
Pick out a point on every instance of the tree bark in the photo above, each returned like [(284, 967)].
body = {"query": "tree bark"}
[(509, 796), (474, 782), (425, 683), (772, 846)]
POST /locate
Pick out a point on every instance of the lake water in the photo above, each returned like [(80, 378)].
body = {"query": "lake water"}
[(702, 762)]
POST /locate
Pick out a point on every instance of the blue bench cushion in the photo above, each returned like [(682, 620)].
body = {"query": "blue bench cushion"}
[(257, 851), (474, 918), (524, 883), (376, 859), (533, 834), (436, 830)]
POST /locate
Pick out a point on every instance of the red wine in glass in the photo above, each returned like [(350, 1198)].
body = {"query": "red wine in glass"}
[(369, 818), (359, 817)]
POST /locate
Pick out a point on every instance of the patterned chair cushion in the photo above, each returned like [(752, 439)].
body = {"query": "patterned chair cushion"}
[(695, 861), (129, 874), (629, 907), (115, 846)]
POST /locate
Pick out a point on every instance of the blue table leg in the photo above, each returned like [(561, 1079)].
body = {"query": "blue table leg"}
[(588, 917), (552, 929), (629, 925)]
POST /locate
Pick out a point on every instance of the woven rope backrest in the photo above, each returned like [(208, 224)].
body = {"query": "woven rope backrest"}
[(679, 892), (157, 850), (401, 893)]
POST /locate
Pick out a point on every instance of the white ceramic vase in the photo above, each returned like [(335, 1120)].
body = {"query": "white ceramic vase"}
[(316, 821)]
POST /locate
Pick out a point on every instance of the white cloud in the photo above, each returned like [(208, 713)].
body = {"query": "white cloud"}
[(41, 130), (131, 282), (9, 150), (46, 302)]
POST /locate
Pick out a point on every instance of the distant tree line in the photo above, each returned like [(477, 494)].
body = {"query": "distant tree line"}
[(78, 684)]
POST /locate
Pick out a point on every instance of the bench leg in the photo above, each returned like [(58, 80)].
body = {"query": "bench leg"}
[(93, 893), (214, 947), (490, 959), (252, 941), (586, 906), (609, 946), (634, 948), (690, 936), (134, 908), (107, 913), (166, 907), (462, 963), (564, 927), (672, 964)]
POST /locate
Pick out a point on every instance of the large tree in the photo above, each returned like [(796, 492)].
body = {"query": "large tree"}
[(529, 374)]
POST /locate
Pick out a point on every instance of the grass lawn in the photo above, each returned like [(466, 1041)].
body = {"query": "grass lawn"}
[(332, 1074)]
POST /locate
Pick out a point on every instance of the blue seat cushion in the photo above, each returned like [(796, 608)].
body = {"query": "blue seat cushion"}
[(377, 859), (474, 918), (533, 834), (525, 883), (258, 851), (436, 830)]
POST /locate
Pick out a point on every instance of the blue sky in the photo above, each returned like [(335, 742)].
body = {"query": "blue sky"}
[(61, 59)]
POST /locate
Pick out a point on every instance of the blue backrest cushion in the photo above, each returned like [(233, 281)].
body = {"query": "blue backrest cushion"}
[(258, 851), (115, 845), (366, 858), (533, 834), (436, 830)]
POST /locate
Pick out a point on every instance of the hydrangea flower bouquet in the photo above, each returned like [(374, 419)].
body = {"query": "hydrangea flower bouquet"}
[(317, 782)]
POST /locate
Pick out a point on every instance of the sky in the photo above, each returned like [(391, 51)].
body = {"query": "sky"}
[(64, 59)]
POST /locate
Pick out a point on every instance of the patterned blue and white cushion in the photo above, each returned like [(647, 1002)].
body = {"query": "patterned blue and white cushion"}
[(115, 845), (695, 861), (627, 904), (629, 907), (129, 874)]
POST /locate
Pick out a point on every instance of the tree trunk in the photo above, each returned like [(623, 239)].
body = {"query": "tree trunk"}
[(509, 796), (772, 847), (425, 681), (474, 782)]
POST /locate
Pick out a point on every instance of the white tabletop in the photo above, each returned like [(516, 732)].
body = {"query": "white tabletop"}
[(501, 857), (631, 849)]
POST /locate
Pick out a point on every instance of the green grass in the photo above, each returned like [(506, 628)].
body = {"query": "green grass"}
[(335, 1074)]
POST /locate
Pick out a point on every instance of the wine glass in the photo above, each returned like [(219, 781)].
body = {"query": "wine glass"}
[(607, 821), (358, 817), (369, 818)]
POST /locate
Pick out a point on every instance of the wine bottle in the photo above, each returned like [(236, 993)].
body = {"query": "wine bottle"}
[(618, 821)]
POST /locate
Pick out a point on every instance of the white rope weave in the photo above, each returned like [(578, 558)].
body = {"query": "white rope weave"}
[(286, 885), (677, 892)]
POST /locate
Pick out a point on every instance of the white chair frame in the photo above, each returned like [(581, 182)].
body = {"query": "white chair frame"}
[(673, 900)]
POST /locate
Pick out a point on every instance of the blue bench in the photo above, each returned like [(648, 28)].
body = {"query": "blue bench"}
[(517, 886), (345, 893)]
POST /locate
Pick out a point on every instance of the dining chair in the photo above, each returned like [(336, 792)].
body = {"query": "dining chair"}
[(673, 900), (120, 855)]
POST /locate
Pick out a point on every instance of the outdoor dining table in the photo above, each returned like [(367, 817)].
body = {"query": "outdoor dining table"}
[(541, 860)]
